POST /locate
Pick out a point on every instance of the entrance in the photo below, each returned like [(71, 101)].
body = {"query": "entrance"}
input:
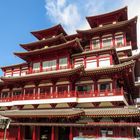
[(63, 133), (45, 133), (28, 133)]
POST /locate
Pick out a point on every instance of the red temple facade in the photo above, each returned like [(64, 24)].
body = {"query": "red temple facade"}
[(75, 87)]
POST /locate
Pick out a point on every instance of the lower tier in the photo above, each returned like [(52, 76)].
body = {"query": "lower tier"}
[(69, 133)]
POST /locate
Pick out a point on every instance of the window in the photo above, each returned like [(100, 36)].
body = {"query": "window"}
[(91, 62), (17, 92), (36, 66), (24, 71), (44, 90), (8, 74), (96, 44), (49, 64), (78, 62), (107, 42), (29, 91), (104, 86), (119, 40), (62, 88), (5, 94), (104, 61), (63, 62), (83, 88)]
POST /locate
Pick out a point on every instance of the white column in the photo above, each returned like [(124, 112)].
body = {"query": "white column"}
[(68, 88), (51, 90)]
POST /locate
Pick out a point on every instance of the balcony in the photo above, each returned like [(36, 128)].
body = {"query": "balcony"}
[(64, 97), (48, 69), (122, 47)]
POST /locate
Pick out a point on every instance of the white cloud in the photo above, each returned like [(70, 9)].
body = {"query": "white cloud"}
[(71, 14), (134, 10), (61, 12)]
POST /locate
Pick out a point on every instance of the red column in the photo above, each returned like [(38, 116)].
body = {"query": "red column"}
[(52, 134), (113, 40), (57, 63), (4, 72), (33, 133), (111, 61), (69, 64), (12, 72), (30, 68), (71, 134), (85, 61), (20, 71), (41, 66), (91, 45), (124, 37), (97, 57), (101, 45), (19, 133)]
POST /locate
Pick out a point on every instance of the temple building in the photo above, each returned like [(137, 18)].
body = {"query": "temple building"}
[(83, 86)]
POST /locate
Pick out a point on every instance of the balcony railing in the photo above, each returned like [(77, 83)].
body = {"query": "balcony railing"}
[(48, 69), (65, 94)]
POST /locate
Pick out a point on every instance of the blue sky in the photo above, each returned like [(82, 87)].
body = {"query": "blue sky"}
[(19, 17)]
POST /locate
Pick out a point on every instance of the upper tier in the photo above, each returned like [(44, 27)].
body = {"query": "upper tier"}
[(50, 32), (115, 16)]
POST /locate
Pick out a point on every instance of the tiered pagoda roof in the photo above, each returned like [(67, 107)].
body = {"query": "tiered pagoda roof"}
[(119, 26), (65, 73), (44, 75), (45, 42), (118, 15), (69, 113), (50, 32), (73, 45)]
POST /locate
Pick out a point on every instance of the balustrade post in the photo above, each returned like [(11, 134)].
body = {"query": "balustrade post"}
[(114, 86), (10, 94), (36, 89), (54, 88), (95, 87), (69, 91)]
